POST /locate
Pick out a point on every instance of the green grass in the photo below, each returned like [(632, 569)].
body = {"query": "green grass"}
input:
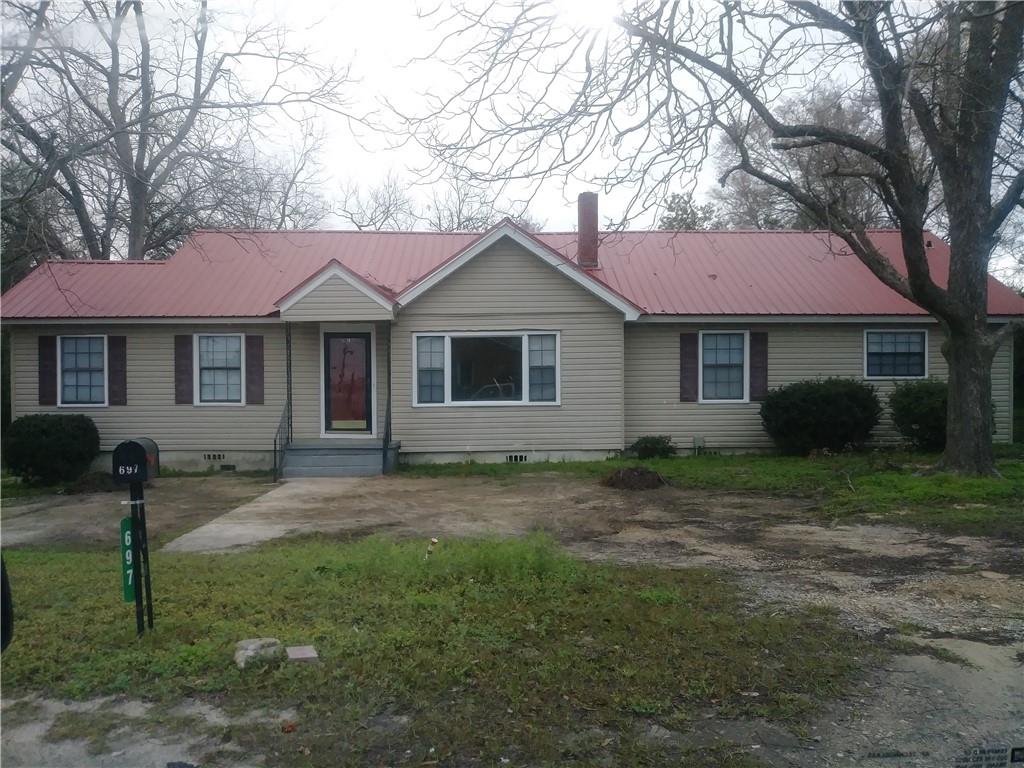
[(97, 482), (880, 485), (492, 649), (13, 488)]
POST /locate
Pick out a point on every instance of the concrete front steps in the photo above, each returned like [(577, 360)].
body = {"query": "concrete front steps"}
[(338, 457)]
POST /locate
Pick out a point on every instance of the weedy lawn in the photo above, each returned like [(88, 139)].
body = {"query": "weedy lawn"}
[(879, 485), (486, 650)]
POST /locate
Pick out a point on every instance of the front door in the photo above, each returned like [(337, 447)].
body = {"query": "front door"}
[(347, 382)]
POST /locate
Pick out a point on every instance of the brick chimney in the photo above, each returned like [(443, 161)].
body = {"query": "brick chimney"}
[(586, 251)]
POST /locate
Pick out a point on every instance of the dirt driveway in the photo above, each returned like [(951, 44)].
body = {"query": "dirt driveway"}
[(957, 595), (174, 505)]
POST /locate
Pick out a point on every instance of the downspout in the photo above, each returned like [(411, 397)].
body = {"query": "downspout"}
[(386, 447)]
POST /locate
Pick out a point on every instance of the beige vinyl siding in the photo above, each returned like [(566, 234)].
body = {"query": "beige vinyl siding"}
[(151, 410), (307, 352), (795, 352), (1002, 392), (508, 289), (335, 300)]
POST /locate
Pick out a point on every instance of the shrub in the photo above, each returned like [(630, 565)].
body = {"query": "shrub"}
[(49, 448), (834, 414), (653, 447), (919, 413)]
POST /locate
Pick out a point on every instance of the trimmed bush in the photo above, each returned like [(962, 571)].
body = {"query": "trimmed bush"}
[(833, 414), (50, 448), (653, 447), (919, 413)]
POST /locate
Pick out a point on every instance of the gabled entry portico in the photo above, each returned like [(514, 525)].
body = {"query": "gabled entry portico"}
[(338, 399)]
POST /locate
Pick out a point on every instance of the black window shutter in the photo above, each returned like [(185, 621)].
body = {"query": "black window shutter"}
[(183, 370), (688, 367), (47, 370), (117, 370), (758, 366), (253, 370)]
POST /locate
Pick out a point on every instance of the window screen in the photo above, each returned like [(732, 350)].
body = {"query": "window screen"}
[(722, 366), (220, 369), (82, 376), (895, 353)]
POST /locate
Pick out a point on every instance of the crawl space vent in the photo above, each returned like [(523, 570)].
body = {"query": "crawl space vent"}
[(515, 458)]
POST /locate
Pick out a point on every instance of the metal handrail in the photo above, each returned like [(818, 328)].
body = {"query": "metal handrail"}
[(282, 439)]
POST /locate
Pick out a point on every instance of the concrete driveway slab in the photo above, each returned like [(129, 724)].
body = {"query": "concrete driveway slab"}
[(304, 505)]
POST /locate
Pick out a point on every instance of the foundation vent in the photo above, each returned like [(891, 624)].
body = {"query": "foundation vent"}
[(213, 457), (515, 458)]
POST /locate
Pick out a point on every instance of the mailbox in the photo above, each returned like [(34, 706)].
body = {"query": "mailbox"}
[(136, 461)]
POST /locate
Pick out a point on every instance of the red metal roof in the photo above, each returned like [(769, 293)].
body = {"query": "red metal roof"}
[(243, 274)]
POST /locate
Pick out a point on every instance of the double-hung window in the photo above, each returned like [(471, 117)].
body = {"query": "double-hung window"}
[(430, 364), (723, 367), (219, 366), (895, 354), (83, 370), (499, 368)]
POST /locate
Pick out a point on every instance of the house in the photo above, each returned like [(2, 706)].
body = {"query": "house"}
[(347, 346)]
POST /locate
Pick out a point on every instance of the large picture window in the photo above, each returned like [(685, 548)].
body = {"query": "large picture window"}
[(723, 366), (517, 368), (895, 354), (487, 368), (83, 374), (219, 368)]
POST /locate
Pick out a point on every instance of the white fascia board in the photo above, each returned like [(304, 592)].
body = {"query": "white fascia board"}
[(207, 320), (783, 319), (334, 270), (506, 230)]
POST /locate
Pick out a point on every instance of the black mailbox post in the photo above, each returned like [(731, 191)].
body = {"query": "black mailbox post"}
[(135, 462)]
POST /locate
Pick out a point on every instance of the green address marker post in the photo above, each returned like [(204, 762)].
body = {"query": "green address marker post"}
[(127, 561), (135, 462)]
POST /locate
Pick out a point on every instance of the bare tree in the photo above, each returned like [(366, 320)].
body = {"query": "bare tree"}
[(745, 201), (542, 98), (21, 51), (451, 206), (683, 212), (130, 125), (388, 205), (277, 192)]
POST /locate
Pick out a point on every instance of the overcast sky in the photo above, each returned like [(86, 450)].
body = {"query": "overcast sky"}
[(380, 39)]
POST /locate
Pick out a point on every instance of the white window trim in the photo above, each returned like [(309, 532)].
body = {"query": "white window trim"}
[(895, 330), (449, 403), (60, 371), (196, 393), (371, 329), (746, 366)]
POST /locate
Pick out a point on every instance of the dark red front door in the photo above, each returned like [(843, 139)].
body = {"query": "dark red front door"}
[(347, 382)]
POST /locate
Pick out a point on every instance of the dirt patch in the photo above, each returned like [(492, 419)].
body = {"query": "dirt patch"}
[(118, 731), (173, 505), (633, 479)]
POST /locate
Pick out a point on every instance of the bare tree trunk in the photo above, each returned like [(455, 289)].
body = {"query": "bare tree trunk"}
[(137, 229), (969, 412)]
